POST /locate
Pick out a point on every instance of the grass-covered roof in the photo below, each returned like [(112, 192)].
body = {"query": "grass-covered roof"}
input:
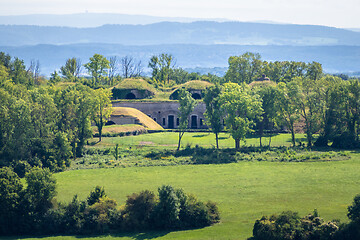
[(133, 83)]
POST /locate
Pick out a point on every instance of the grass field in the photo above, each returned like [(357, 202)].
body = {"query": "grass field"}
[(244, 191), (204, 139)]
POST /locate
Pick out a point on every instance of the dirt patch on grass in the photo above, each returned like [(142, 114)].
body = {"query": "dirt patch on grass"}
[(146, 143)]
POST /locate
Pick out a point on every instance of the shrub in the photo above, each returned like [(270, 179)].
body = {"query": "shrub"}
[(354, 210), (138, 210), (288, 225), (98, 216), (21, 168), (95, 195), (10, 196), (166, 212)]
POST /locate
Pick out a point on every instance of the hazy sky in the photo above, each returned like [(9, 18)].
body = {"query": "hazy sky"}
[(337, 13)]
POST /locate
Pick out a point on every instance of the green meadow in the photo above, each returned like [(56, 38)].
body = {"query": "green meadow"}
[(244, 191)]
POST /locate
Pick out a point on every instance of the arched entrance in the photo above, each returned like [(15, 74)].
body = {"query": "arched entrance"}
[(109, 123), (130, 96), (196, 96), (194, 122)]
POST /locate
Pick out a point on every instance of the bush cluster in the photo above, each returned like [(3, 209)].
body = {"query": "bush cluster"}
[(289, 225), (34, 210), (172, 209)]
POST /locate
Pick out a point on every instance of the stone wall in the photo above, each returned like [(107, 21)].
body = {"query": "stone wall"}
[(166, 113)]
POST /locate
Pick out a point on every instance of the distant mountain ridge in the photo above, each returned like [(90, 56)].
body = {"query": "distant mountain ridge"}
[(203, 32), (333, 58), (84, 20)]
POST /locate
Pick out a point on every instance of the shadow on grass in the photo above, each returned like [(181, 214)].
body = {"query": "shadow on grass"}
[(132, 235), (144, 235), (200, 135)]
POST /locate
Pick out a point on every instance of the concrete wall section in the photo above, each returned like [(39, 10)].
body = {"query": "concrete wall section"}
[(166, 113)]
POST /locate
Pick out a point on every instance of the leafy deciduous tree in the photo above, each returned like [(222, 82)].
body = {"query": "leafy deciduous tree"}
[(102, 108), (241, 107), (214, 113), (97, 67), (187, 104)]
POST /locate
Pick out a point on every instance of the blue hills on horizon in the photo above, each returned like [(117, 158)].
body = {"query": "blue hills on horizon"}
[(203, 44)]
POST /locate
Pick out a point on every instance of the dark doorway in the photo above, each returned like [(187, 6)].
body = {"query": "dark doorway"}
[(109, 123), (130, 96), (193, 122), (170, 121), (196, 96)]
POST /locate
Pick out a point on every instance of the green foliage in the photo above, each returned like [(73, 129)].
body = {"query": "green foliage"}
[(354, 209), (187, 104), (98, 216), (116, 152), (288, 225), (177, 210), (244, 68), (288, 113), (97, 68), (214, 113), (138, 210), (71, 69), (40, 190), (168, 209), (241, 107), (95, 195), (162, 67), (75, 105), (10, 198), (102, 108), (269, 95)]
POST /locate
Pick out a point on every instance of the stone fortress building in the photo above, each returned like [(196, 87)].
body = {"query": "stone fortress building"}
[(167, 114)]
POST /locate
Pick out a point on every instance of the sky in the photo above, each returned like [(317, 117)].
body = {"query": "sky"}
[(335, 13)]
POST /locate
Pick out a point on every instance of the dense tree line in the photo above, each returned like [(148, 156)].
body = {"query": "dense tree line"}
[(34, 210), (321, 104), (45, 125)]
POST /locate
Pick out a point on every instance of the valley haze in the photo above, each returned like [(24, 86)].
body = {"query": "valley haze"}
[(204, 44)]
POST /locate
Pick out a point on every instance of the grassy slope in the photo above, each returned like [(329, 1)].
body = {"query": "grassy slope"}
[(144, 120), (112, 129), (244, 191)]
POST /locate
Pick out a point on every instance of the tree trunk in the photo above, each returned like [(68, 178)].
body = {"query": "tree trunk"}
[(179, 143), (100, 133), (293, 136), (237, 144), (217, 140), (269, 141), (261, 131)]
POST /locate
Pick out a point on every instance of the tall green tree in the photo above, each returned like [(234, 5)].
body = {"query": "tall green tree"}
[(187, 104), (97, 67), (162, 67), (71, 69), (245, 68), (311, 105), (268, 94), (76, 106), (241, 108), (102, 108), (41, 189), (314, 71), (214, 113), (287, 103)]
